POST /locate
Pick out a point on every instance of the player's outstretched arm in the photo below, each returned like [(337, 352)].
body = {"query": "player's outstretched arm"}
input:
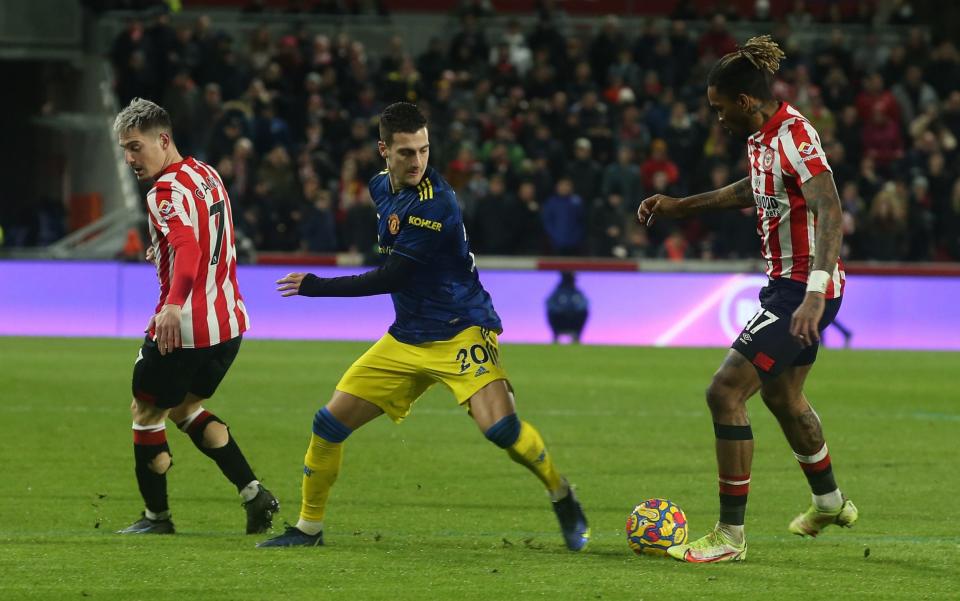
[(820, 194), (389, 277), (735, 196)]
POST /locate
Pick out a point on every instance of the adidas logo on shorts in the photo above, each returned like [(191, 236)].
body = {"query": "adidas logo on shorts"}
[(480, 371)]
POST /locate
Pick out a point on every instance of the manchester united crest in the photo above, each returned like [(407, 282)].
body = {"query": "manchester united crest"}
[(393, 224), (768, 159)]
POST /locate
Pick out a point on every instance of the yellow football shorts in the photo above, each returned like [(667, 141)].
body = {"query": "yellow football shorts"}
[(392, 374)]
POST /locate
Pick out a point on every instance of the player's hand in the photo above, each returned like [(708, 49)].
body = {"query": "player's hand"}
[(289, 285), (658, 204), (150, 254), (167, 324), (803, 324)]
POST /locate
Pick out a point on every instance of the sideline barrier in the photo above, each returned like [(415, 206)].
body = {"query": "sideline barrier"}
[(59, 298)]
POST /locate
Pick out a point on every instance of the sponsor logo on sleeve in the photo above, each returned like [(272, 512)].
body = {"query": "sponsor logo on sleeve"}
[(809, 151), (165, 208)]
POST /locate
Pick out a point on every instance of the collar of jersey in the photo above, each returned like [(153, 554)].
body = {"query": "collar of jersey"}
[(174, 166), (774, 122)]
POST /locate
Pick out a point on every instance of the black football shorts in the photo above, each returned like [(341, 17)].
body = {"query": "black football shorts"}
[(165, 380), (766, 340)]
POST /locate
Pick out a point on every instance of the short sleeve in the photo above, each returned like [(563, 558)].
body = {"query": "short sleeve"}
[(802, 155), (167, 209), (424, 228)]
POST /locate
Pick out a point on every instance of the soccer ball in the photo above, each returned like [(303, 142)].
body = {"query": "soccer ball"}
[(654, 526)]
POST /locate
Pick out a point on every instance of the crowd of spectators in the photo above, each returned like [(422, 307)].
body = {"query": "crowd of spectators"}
[(553, 139)]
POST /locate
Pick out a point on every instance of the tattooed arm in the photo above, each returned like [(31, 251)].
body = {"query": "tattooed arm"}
[(821, 196), (735, 196)]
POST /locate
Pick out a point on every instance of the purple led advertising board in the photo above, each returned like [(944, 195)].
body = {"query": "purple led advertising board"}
[(54, 298)]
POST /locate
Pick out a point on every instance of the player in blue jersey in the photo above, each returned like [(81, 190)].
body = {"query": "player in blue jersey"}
[(445, 331)]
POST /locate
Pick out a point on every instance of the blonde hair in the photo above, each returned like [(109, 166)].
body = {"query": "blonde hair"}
[(143, 115), (748, 70), (762, 52)]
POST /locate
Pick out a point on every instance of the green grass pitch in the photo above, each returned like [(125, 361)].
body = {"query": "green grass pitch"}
[(430, 510)]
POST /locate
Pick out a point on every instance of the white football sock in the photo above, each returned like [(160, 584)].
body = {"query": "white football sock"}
[(163, 515), (832, 501), (250, 491), (308, 527), (732, 531)]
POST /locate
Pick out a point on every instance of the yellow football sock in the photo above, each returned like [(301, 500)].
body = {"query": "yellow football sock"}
[(530, 452), (320, 469)]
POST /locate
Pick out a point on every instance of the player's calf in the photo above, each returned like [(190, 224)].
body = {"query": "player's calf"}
[(212, 437), (152, 461), (525, 446)]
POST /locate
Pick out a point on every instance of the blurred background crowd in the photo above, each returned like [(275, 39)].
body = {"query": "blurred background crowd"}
[(551, 139)]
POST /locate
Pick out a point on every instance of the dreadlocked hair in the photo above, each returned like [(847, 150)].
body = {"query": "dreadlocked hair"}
[(748, 70)]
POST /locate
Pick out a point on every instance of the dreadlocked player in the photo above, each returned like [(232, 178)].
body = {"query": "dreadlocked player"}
[(798, 218)]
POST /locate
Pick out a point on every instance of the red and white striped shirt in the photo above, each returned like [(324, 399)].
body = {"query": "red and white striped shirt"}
[(783, 155), (190, 194)]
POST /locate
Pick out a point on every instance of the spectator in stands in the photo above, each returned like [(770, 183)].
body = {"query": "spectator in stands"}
[(496, 220), (468, 48), (605, 48), (606, 227), (269, 130), (658, 162), (943, 72), (318, 228), (882, 138), (849, 131), (584, 172), (209, 113), (530, 228), (563, 219), (359, 231), (837, 91), (920, 221), (231, 127), (853, 209), (914, 96), (717, 41), (277, 172), (875, 97), (623, 178), (518, 113), (887, 237), (684, 138)]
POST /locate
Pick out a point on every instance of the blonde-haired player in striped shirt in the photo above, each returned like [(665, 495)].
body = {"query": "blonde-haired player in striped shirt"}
[(196, 328), (798, 219)]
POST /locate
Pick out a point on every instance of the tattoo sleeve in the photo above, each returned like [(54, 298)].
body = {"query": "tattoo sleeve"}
[(820, 192), (737, 195), (809, 432)]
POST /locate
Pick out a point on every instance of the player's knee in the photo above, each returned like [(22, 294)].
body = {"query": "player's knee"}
[(215, 435), (329, 428), (505, 432), (721, 396), (161, 463), (783, 402), (146, 414)]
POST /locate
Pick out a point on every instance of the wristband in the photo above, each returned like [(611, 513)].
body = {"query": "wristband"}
[(817, 281)]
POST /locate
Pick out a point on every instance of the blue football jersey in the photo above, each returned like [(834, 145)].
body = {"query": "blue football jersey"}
[(444, 295)]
